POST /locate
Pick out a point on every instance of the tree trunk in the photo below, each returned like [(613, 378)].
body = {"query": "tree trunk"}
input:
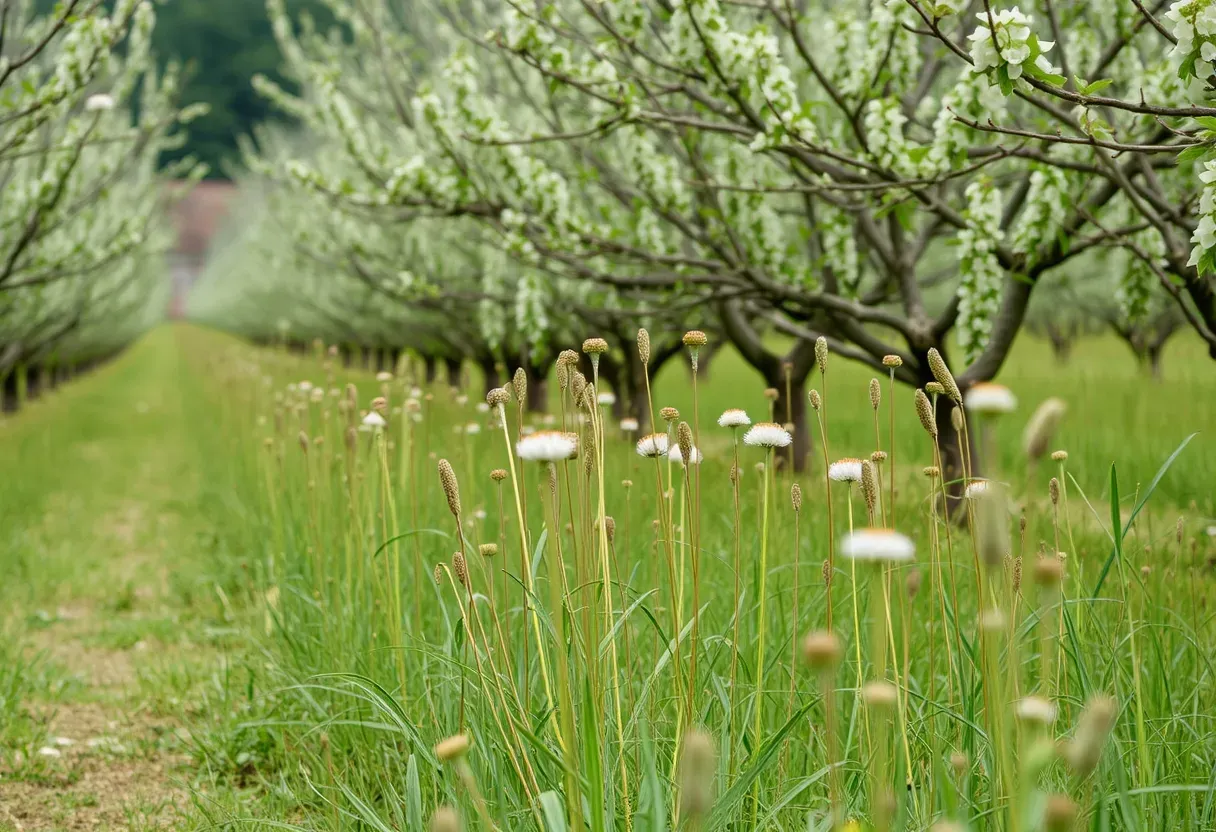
[(431, 368), (952, 469), (452, 365), (490, 375), (538, 387), (792, 410), (8, 396)]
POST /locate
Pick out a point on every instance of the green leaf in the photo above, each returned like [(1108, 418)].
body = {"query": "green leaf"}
[(652, 803), (1119, 535), (553, 810), (1193, 153)]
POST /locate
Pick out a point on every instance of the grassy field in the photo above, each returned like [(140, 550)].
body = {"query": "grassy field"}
[(221, 609)]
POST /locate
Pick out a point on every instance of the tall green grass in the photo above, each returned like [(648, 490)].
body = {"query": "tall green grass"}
[(580, 710)]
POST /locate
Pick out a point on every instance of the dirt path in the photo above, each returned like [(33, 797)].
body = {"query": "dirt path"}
[(108, 619)]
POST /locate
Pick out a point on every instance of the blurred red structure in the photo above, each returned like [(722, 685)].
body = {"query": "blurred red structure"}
[(197, 217)]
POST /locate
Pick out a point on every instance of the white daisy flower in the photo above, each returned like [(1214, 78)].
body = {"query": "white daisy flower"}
[(990, 398), (845, 470), (1037, 709), (734, 418), (767, 435), (629, 424), (606, 398), (877, 545), (675, 455), (548, 446), (374, 420), (654, 444)]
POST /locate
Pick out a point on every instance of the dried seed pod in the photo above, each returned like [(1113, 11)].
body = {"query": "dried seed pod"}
[(937, 365), (869, 485), (924, 410), (875, 394), (644, 345), (684, 440), (451, 489)]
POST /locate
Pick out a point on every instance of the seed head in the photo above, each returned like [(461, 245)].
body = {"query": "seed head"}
[(771, 393), (934, 389), (595, 346), (892, 361), (488, 550), (451, 489), (644, 345), (578, 383), (875, 394), (1049, 572), (821, 353), (1085, 750), (498, 396), (610, 528), (931, 471), (1017, 575), (1059, 456), (498, 474), (912, 583), (959, 762), (1053, 491), (439, 573), (826, 571), (821, 650), (991, 525), (1060, 813), (445, 819), (734, 473), (519, 385), (460, 569), (943, 375), (796, 496), (956, 418), (869, 485), (697, 767), (924, 410), (695, 338), (684, 441), (453, 748), (878, 457), (303, 439), (1042, 427), (669, 414), (1179, 529), (352, 440), (626, 484), (816, 400), (879, 695)]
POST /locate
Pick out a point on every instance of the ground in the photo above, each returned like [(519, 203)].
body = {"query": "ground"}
[(109, 635)]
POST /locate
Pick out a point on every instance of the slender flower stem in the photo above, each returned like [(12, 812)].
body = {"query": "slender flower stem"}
[(760, 627)]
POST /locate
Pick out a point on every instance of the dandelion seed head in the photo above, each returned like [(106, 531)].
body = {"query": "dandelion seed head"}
[(653, 444), (548, 446), (991, 399), (877, 545), (845, 470), (767, 435), (734, 418)]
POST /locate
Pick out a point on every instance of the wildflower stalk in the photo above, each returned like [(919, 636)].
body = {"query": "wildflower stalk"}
[(760, 628)]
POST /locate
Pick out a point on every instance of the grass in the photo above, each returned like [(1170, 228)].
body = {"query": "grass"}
[(305, 662)]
